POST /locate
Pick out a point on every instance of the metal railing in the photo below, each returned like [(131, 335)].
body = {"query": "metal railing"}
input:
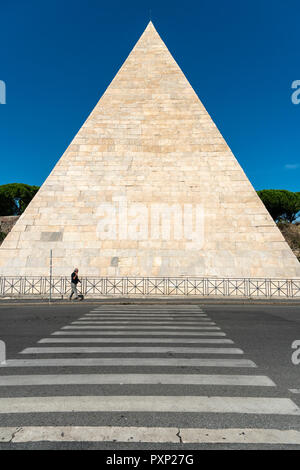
[(60, 287)]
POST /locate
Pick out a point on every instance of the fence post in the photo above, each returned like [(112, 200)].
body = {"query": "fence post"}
[(50, 290)]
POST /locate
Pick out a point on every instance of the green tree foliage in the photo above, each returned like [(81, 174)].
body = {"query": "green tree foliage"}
[(282, 205), (15, 197)]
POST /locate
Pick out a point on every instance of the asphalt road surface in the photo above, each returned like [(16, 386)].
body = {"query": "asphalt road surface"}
[(149, 376)]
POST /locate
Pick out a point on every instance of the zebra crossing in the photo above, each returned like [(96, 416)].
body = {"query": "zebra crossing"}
[(141, 361)]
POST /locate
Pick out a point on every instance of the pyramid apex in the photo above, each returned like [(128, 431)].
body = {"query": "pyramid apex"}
[(150, 31), (150, 26)]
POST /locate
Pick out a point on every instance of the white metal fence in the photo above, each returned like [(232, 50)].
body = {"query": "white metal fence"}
[(59, 287)]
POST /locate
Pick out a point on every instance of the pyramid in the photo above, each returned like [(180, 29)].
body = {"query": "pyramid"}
[(148, 187)]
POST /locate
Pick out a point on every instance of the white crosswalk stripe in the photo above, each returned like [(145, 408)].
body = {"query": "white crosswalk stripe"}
[(154, 305), (139, 323), (147, 315), (115, 319), (132, 327), (143, 322), (130, 349), (163, 435), (174, 318), (163, 342), (121, 361), (138, 332), (170, 404), (138, 340), (191, 379)]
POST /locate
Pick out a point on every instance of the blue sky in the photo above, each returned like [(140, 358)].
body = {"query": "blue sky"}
[(241, 57)]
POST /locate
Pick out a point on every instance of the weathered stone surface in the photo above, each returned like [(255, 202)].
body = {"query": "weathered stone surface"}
[(148, 145)]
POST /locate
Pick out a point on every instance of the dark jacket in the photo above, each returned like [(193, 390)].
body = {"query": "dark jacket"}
[(74, 278)]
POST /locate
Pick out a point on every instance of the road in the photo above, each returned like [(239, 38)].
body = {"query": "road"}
[(149, 376)]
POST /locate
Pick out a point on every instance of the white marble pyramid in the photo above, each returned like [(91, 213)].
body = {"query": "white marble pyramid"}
[(148, 187)]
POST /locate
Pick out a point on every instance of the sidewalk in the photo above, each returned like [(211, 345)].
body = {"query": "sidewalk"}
[(152, 300)]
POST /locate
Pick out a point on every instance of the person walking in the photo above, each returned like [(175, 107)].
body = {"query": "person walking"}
[(74, 282)]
